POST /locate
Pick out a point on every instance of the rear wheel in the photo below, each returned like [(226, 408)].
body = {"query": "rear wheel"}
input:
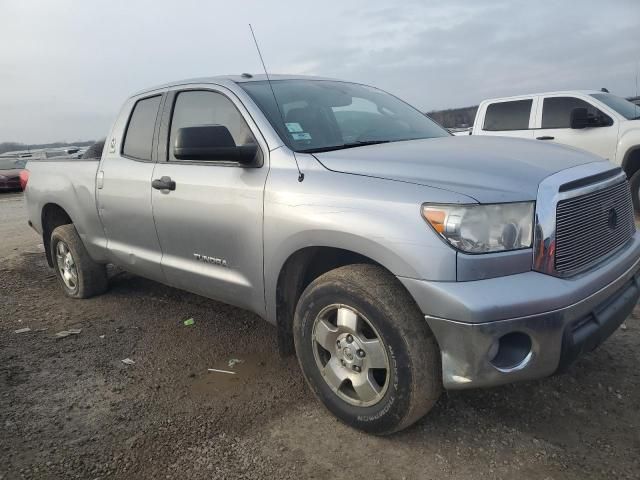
[(78, 274), (366, 350)]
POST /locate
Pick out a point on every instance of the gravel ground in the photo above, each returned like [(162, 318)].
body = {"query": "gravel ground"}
[(69, 407)]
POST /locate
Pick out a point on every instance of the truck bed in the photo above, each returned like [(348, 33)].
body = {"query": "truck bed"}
[(70, 185)]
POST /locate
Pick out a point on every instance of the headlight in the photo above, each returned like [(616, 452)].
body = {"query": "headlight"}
[(483, 228)]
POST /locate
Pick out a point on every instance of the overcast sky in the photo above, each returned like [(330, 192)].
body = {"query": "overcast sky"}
[(66, 66)]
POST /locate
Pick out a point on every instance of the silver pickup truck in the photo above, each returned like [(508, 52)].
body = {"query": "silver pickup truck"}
[(395, 259)]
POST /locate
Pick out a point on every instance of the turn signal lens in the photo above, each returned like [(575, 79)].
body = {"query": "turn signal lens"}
[(435, 217)]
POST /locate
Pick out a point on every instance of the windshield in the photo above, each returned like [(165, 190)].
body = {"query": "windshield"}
[(323, 115), (628, 110), (11, 164)]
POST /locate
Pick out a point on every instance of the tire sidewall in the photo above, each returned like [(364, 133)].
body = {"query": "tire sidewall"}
[(385, 415)]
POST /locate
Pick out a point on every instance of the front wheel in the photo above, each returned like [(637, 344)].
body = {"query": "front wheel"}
[(366, 350)]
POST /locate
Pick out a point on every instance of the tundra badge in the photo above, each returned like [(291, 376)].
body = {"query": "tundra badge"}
[(215, 261)]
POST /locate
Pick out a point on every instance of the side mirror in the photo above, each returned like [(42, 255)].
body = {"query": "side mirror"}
[(212, 143), (579, 118)]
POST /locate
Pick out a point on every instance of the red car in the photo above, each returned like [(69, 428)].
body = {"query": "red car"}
[(10, 169)]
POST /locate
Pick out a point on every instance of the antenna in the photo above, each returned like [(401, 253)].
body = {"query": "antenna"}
[(300, 174)]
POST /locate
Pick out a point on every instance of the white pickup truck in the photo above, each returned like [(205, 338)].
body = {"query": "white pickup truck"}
[(593, 120)]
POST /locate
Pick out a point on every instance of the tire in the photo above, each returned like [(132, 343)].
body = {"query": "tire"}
[(388, 330), (70, 256), (635, 191)]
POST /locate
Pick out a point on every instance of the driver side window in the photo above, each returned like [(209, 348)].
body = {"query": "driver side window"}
[(201, 107), (556, 112)]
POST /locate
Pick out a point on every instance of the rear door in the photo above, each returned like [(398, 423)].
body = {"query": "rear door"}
[(510, 118), (210, 226), (124, 188), (555, 126)]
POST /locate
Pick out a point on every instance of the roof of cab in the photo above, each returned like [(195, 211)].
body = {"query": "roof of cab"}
[(229, 79), (559, 92)]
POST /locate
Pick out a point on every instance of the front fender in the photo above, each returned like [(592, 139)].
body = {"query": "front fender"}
[(376, 218), (628, 143)]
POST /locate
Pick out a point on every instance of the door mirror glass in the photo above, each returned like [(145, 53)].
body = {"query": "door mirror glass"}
[(212, 143), (579, 118)]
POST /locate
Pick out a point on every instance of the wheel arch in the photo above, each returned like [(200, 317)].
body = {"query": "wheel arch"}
[(631, 161), (300, 269), (52, 216)]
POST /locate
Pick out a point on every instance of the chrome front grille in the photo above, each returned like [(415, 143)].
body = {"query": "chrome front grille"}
[(591, 226)]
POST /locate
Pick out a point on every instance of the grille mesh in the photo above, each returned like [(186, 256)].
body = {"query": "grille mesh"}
[(584, 232)]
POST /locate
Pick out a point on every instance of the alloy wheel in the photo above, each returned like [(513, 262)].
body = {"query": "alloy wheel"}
[(350, 355), (66, 266)]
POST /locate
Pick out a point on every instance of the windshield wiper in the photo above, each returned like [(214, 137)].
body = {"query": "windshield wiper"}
[(344, 146)]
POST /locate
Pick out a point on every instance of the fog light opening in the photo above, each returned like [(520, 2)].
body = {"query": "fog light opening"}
[(513, 352)]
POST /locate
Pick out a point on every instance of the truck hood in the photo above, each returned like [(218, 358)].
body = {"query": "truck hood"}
[(488, 169)]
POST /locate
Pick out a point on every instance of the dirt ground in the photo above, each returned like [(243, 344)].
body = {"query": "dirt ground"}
[(69, 407)]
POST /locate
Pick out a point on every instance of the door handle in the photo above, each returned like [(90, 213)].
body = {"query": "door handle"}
[(164, 183), (545, 137)]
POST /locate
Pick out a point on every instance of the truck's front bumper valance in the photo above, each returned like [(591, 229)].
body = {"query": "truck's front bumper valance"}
[(539, 342)]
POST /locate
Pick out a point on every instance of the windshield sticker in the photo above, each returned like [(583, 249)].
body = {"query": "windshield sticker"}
[(301, 136), (293, 127)]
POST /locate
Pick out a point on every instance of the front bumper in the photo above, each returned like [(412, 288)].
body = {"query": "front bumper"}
[(559, 319)]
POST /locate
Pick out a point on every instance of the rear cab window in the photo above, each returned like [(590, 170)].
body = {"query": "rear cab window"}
[(556, 111), (138, 139), (509, 115)]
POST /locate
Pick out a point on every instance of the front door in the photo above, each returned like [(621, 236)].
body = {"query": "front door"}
[(210, 226), (124, 189), (556, 127)]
